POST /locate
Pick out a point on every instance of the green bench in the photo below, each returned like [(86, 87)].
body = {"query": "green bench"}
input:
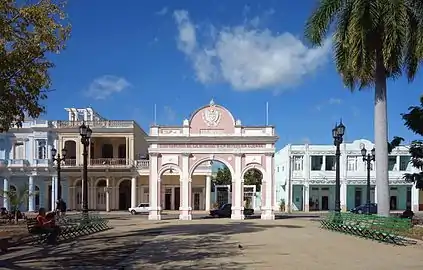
[(383, 229), (70, 227)]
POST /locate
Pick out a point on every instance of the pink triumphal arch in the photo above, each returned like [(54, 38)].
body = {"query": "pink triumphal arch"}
[(178, 154)]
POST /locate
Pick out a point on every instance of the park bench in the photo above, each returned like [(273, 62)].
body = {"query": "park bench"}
[(70, 227), (383, 229)]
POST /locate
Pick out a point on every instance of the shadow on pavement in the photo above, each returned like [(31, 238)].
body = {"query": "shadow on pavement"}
[(179, 246)]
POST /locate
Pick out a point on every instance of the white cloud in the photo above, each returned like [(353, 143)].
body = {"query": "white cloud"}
[(249, 58), (331, 101), (335, 101), (103, 87), (162, 12)]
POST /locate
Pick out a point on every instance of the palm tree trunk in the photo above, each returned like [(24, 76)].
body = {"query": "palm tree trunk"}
[(381, 139)]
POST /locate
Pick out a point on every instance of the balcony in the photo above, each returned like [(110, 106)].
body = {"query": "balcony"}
[(96, 124), (142, 164), (109, 162), (18, 163), (100, 162), (69, 163), (42, 162)]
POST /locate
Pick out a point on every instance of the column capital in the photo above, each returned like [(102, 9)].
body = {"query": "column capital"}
[(154, 154), (186, 154), (269, 154), (238, 154)]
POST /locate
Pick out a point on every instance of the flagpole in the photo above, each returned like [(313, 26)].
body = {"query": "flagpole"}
[(155, 114), (267, 113)]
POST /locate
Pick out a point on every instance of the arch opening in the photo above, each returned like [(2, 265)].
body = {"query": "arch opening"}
[(170, 188), (211, 185), (253, 178), (101, 194), (70, 147), (124, 194)]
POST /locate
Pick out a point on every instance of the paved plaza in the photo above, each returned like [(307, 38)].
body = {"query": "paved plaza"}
[(294, 243)]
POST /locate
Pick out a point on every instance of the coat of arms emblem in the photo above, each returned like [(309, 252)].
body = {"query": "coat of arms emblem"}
[(211, 115)]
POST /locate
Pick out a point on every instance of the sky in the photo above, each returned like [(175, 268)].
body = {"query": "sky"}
[(123, 59)]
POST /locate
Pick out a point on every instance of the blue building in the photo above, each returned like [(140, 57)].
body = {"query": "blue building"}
[(305, 177), (25, 164)]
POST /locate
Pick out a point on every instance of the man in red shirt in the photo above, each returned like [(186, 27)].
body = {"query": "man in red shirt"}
[(48, 226)]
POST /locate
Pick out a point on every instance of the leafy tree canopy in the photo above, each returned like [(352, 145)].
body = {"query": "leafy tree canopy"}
[(372, 40), (223, 176), (253, 177), (29, 32), (414, 121)]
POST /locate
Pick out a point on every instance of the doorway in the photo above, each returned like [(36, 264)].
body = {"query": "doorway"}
[(325, 203), (196, 201), (358, 196), (168, 201), (125, 195), (393, 203), (177, 200)]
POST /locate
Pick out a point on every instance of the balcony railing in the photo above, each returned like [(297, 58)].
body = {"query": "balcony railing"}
[(18, 162), (107, 162), (96, 124), (99, 162), (42, 162), (69, 163), (142, 164)]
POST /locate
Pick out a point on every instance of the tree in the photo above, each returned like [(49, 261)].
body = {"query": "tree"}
[(414, 121), (29, 33), (253, 177), (18, 198), (373, 41), (223, 176)]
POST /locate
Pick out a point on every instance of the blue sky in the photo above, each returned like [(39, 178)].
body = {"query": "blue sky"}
[(123, 59)]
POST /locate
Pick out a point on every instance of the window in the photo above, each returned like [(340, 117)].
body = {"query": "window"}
[(392, 160), (330, 163), (298, 163), (352, 163), (404, 161), (42, 149), (316, 163), (19, 152)]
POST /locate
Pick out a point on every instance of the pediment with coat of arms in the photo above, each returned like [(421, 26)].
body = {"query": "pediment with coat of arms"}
[(211, 115)]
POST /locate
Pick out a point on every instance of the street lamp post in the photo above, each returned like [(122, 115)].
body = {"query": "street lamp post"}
[(58, 161), (368, 158), (338, 133), (85, 133)]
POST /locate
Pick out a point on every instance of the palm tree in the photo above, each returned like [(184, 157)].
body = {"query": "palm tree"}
[(18, 198), (373, 40)]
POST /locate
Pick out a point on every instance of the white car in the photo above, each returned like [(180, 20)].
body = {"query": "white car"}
[(141, 208)]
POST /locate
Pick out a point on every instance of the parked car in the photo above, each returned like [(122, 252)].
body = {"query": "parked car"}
[(224, 211), (140, 209), (364, 209)]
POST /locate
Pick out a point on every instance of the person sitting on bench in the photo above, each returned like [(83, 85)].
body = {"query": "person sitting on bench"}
[(47, 225)]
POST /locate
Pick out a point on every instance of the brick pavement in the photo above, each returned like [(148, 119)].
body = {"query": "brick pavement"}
[(213, 244)]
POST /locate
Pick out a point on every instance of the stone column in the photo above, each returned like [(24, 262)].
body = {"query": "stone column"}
[(53, 193), (343, 196), (237, 190), (306, 197), (134, 192), (267, 212), (108, 195), (31, 195), (6, 188), (415, 198), (153, 189), (208, 192), (185, 183)]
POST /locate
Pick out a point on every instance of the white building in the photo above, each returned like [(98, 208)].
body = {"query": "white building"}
[(305, 176)]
